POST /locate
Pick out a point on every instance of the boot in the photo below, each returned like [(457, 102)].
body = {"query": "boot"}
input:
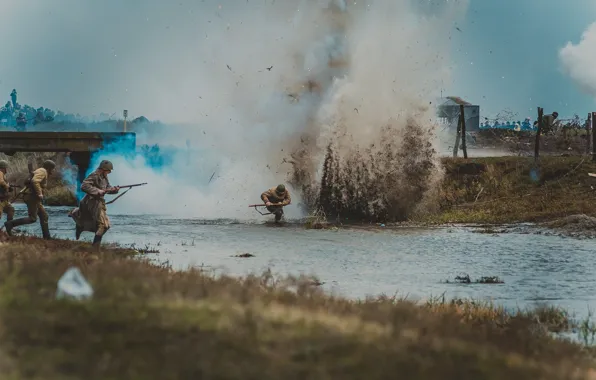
[(10, 224), (45, 230), (278, 216), (97, 240), (78, 232)]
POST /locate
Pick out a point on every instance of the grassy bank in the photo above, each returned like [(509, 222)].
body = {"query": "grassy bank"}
[(476, 190), (514, 189), (150, 322)]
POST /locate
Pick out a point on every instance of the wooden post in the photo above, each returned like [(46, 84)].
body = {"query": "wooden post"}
[(463, 130), (457, 138), (588, 127), (540, 124), (593, 137)]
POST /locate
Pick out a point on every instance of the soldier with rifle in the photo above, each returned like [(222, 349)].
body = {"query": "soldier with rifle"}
[(91, 215), (33, 196), (275, 199)]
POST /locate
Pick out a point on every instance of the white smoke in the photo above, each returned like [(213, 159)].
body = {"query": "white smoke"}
[(579, 60), (208, 64)]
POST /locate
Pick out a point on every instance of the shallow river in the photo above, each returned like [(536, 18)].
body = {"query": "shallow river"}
[(355, 263)]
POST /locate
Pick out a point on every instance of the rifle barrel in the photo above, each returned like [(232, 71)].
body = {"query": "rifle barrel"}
[(135, 185), (263, 205)]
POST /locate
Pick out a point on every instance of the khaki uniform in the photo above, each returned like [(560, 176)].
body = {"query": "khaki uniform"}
[(272, 196), (5, 205), (91, 215), (32, 196)]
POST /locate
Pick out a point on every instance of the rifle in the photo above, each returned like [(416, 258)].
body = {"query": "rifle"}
[(26, 185), (264, 205), (125, 187), (131, 186)]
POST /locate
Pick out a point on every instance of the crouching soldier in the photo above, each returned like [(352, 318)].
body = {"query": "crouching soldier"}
[(33, 195), (91, 215), (5, 205), (275, 199)]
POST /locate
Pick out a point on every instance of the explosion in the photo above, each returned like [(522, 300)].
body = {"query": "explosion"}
[(369, 151)]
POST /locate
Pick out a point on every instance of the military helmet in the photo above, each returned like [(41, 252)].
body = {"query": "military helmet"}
[(106, 165), (280, 189), (3, 164), (49, 165)]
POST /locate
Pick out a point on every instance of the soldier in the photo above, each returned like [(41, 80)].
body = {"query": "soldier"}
[(33, 197), (275, 199), (5, 205), (91, 214)]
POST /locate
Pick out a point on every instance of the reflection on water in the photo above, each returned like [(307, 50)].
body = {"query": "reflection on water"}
[(413, 262)]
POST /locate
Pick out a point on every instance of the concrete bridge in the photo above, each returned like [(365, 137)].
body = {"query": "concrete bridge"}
[(79, 145)]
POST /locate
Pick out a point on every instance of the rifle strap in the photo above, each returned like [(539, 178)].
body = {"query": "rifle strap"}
[(114, 200)]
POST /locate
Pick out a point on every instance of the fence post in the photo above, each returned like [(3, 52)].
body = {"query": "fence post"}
[(593, 138), (463, 130), (588, 127), (537, 143), (457, 138)]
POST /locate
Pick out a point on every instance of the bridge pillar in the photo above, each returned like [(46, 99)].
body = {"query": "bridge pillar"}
[(82, 161)]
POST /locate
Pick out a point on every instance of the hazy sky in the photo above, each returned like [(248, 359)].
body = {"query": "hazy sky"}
[(509, 56), (92, 56)]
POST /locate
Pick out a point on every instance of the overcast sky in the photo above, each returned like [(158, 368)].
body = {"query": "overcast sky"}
[(92, 56), (509, 56)]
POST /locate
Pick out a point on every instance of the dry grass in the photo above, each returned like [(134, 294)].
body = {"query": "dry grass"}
[(60, 196), (514, 189), (59, 193), (147, 321)]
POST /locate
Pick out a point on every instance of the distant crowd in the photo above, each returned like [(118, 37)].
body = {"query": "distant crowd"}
[(18, 116)]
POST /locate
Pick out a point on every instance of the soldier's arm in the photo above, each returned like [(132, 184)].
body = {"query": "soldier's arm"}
[(287, 199), (265, 196), (89, 185), (38, 177)]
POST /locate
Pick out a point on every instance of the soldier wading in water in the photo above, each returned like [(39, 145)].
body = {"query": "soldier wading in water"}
[(275, 199), (91, 215), (33, 197)]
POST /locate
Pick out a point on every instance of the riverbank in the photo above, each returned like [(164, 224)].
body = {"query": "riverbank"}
[(488, 190), (148, 321), (514, 190)]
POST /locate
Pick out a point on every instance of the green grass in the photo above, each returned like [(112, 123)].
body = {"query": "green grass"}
[(148, 321)]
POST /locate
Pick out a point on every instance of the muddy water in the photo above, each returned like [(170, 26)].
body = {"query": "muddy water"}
[(355, 263)]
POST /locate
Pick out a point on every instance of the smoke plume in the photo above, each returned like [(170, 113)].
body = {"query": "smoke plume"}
[(578, 60), (254, 92)]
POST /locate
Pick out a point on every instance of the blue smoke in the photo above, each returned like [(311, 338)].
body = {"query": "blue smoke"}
[(178, 162)]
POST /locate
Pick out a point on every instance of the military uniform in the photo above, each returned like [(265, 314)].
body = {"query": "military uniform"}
[(5, 205), (91, 215), (33, 196), (277, 194)]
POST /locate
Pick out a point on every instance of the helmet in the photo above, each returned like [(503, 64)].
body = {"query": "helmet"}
[(555, 114), (106, 165), (280, 189), (3, 164), (49, 165)]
